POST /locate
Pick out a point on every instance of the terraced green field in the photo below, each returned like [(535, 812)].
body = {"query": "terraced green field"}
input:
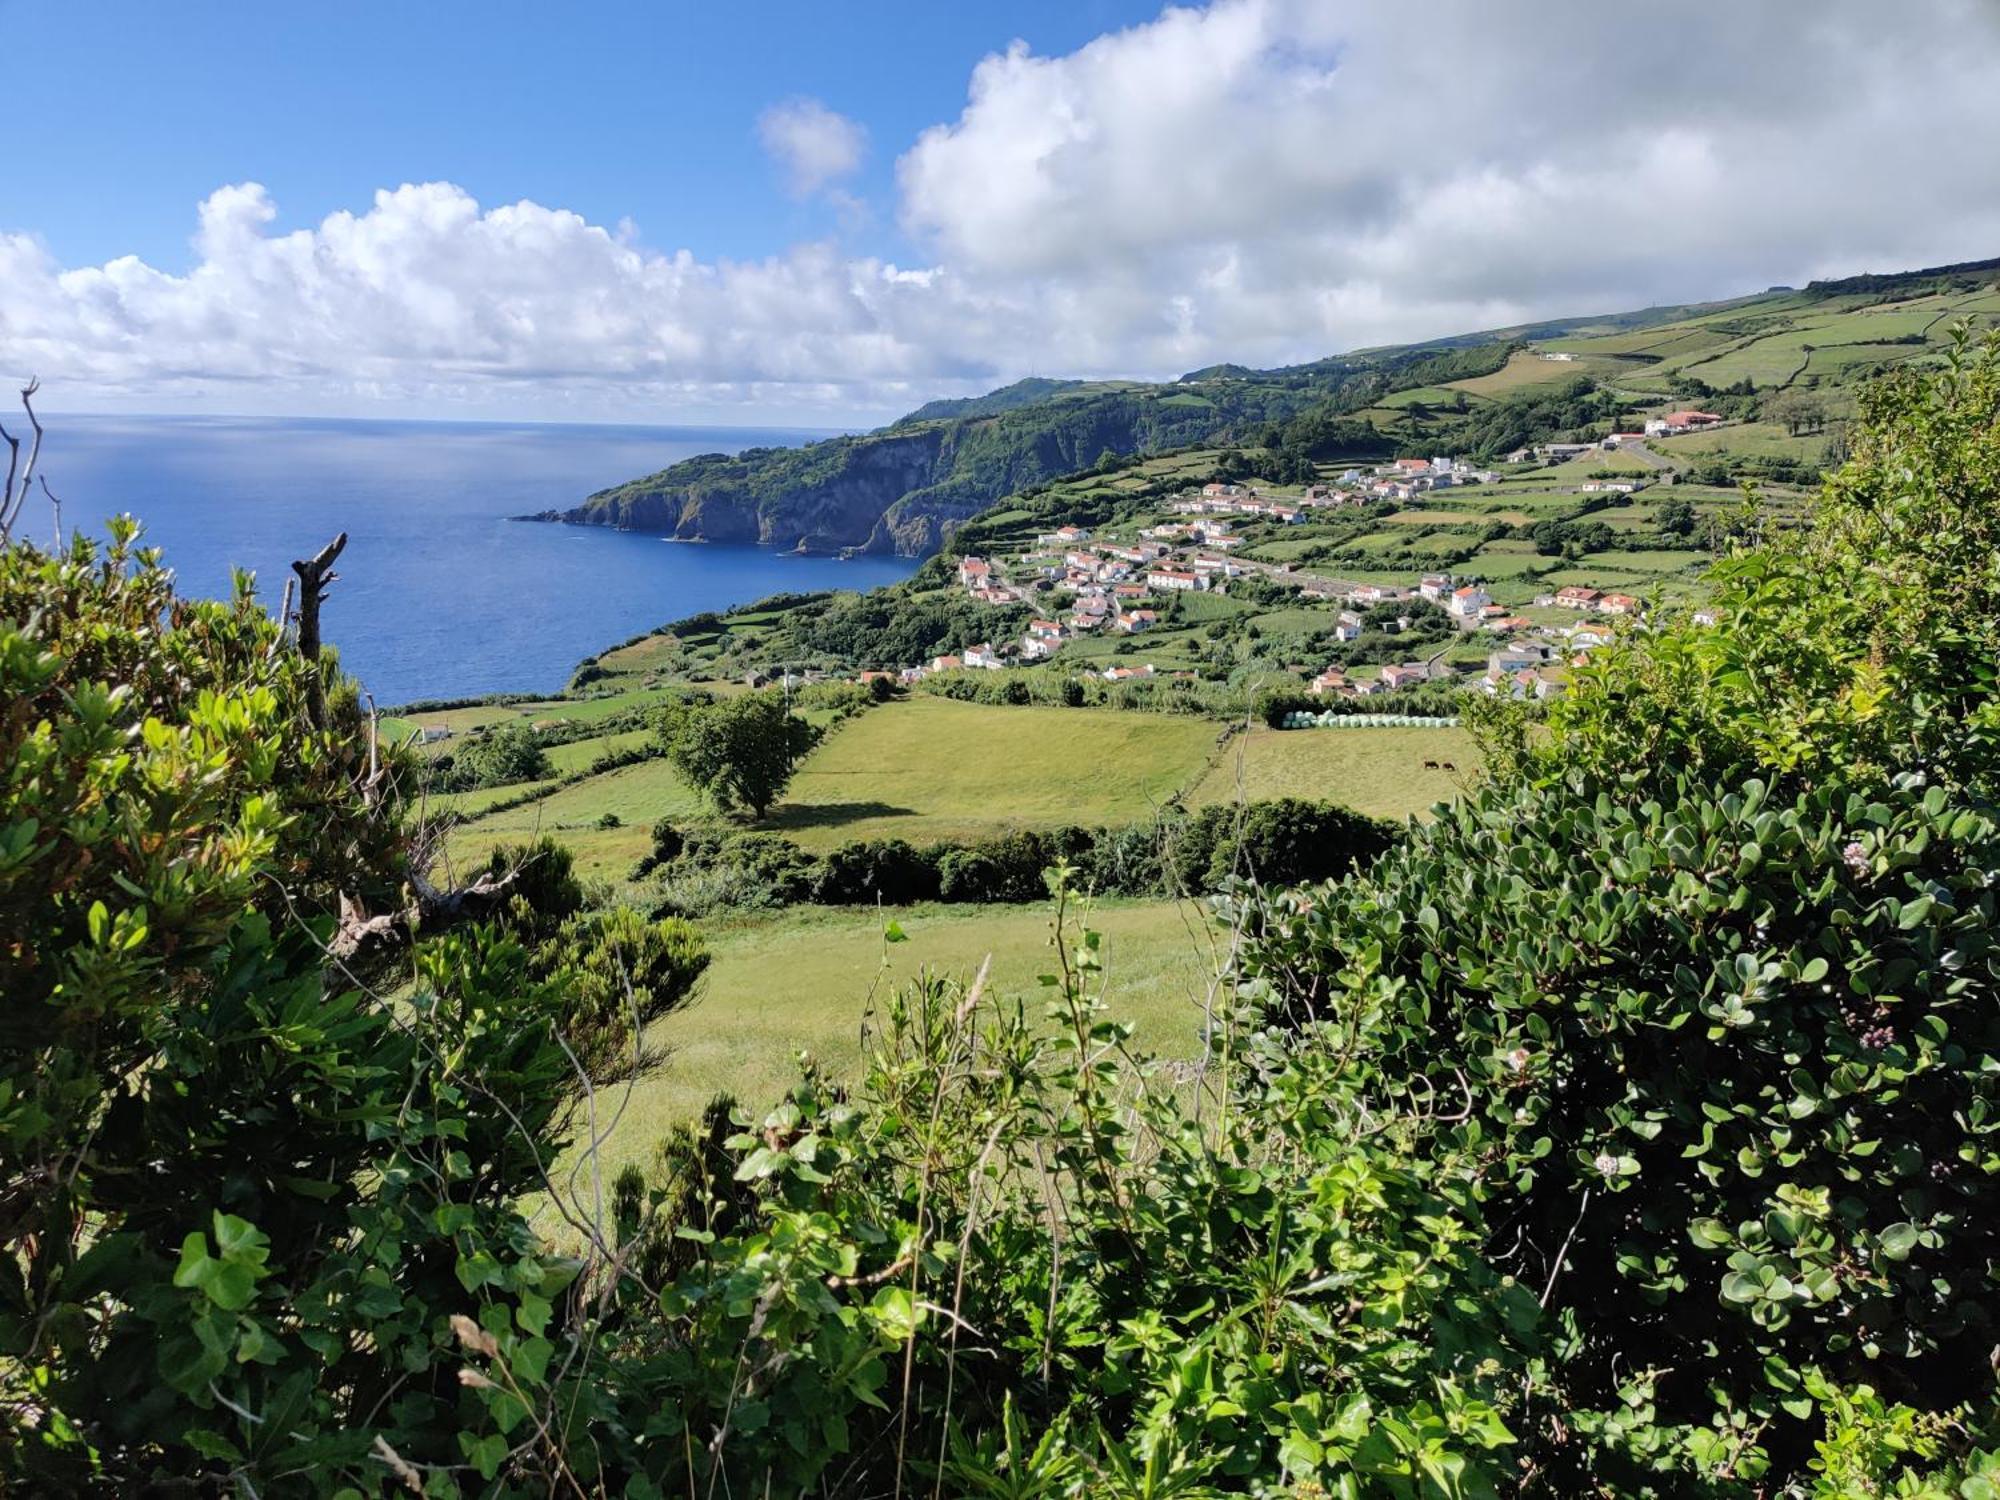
[(1527, 370), (1748, 439)]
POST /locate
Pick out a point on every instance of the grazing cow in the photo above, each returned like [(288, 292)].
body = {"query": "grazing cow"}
[(1446, 766), (1430, 765)]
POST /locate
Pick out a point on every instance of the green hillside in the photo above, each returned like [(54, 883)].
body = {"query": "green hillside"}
[(1792, 355)]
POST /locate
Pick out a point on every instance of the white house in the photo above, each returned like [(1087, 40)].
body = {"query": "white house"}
[(1174, 579), (1467, 603), (983, 655)]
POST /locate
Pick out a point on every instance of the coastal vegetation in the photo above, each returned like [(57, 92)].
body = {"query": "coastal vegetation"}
[(1173, 1115)]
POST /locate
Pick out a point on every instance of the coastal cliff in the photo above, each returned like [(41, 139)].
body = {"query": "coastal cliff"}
[(825, 497), (905, 488)]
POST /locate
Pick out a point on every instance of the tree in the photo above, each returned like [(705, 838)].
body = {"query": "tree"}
[(1797, 412), (741, 751), (1675, 516), (500, 757)]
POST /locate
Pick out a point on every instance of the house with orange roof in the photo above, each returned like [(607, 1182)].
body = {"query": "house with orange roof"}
[(1467, 602)]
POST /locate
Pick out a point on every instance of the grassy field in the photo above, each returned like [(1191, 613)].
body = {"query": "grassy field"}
[(634, 795), (930, 768), (578, 755), (801, 980), (1744, 439), (924, 770), (1375, 771), (1526, 370)]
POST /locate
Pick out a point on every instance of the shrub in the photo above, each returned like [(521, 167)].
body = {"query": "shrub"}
[(1008, 868), (1750, 1024), (243, 1195), (888, 871), (505, 754), (619, 972)]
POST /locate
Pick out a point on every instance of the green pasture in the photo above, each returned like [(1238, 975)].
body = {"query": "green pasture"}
[(1376, 771), (805, 981)]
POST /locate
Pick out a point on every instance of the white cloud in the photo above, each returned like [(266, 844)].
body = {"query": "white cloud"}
[(814, 145), (428, 300), (1260, 180), (1287, 175)]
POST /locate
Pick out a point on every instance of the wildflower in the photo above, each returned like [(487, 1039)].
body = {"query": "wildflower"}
[(1518, 1059), (1606, 1163), (1856, 858)]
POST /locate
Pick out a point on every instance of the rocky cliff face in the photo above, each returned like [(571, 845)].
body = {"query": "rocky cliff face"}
[(827, 497), (906, 488)]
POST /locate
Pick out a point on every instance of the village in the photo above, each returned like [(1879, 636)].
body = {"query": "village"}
[(1113, 583)]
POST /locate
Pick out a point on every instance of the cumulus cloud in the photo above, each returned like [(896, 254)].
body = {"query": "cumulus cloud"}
[(1256, 180), (1296, 173), (815, 146), (427, 298)]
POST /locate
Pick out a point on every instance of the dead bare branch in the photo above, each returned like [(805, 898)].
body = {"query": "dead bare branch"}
[(14, 497), (284, 619), (361, 938), (56, 506), (316, 575)]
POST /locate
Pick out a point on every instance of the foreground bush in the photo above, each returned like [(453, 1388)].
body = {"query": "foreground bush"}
[(1723, 1060), (1709, 988), (244, 1195)]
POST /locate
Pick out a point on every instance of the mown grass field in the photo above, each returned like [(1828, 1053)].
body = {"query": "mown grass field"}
[(634, 795), (802, 980), (1375, 771), (931, 768), (1744, 439)]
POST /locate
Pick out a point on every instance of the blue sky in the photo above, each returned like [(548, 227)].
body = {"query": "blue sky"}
[(622, 110), (814, 214)]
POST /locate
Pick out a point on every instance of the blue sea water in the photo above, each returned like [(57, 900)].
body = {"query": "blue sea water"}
[(440, 595)]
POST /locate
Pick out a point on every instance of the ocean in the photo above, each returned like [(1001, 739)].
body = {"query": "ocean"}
[(440, 595)]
